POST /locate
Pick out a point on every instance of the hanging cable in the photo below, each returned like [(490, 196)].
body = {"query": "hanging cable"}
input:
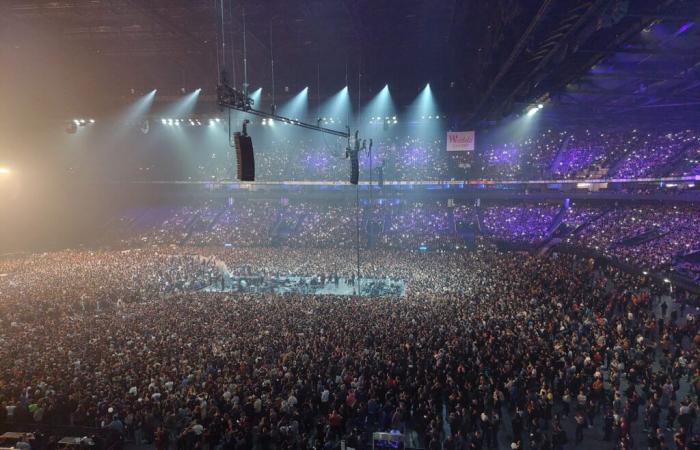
[(223, 36), (347, 85), (216, 46), (272, 69), (357, 242), (245, 59), (233, 48), (359, 87)]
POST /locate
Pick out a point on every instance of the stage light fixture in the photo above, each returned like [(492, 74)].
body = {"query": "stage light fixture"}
[(540, 106), (5, 171), (164, 121)]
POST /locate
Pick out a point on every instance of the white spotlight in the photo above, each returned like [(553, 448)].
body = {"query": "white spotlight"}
[(164, 121), (540, 106)]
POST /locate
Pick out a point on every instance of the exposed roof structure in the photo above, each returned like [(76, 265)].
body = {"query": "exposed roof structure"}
[(484, 59)]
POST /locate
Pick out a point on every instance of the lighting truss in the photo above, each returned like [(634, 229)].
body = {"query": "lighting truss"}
[(228, 97)]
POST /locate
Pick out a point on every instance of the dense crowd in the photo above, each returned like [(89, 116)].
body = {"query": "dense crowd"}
[(519, 223), (580, 154), (544, 154), (486, 348), (393, 158), (649, 236)]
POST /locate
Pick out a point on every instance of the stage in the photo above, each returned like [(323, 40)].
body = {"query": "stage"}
[(305, 285)]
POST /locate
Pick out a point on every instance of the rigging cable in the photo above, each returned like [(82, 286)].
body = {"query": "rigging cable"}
[(245, 59), (272, 70)]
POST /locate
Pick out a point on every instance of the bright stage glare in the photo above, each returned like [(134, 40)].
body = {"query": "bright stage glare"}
[(540, 106), (297, 105), (5, 171), (382, 105), (532, 111)]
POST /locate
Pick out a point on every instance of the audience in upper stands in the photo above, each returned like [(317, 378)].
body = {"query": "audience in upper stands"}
[(649, 236), (549, 154)]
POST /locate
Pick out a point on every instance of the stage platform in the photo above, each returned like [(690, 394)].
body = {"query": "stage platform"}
[(369, 287)]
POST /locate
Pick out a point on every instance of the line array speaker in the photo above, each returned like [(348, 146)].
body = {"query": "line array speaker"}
[(244, 157)]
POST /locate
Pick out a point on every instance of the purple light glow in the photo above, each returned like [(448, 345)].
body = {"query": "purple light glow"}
[(685, 27)]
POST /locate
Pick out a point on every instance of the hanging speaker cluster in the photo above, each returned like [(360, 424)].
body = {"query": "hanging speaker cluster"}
[(244, 157), (354, 168)]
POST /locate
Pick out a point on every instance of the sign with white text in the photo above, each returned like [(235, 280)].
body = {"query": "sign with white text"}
[(460, 141)]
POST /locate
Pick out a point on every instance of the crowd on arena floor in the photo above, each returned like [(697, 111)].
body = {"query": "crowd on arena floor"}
[(488, 348)]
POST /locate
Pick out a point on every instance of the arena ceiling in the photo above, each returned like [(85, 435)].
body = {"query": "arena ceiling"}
[(484, 59)]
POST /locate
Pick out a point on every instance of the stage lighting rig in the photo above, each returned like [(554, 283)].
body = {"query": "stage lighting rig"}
[(233, 98), (229, 97)]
